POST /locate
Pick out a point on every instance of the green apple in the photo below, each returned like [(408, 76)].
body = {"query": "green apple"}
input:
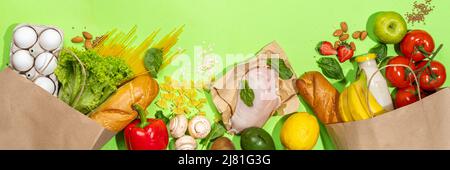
[(386, 27)]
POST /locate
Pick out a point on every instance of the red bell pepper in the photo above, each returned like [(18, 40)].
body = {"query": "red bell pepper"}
[(146, 134)]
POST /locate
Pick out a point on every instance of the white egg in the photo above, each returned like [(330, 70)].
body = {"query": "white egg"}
[(25, 37), (45, 63), (22, 60), (50, 39), (53, 77), (31, 74), (45, 83), (55, 81)]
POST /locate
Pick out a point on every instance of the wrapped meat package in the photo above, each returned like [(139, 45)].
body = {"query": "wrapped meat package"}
[(271, 94)]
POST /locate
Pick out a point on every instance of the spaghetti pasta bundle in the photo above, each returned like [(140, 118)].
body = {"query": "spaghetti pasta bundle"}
[(120, 44)]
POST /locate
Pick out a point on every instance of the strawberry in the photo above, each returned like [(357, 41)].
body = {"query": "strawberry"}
[(325, 48), (344, 52)]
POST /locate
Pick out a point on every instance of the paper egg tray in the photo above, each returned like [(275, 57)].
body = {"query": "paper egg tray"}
[(39, 76)]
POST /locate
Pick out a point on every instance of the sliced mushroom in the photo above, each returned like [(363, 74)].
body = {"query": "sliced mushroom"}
[(178, 126), (199, 127), (185, 143)]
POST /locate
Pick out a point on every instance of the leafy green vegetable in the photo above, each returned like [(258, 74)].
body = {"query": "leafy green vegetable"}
[(172, 144), (85, 92), (278, 64), (160, 115), (247, 94), (153, 61), (331, 68), (218, 130), (381, 51)]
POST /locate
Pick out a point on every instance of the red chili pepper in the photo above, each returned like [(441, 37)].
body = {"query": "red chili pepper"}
[(146, 134)]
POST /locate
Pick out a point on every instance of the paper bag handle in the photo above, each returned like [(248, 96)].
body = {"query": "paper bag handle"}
[(378, 71), (83, 72)]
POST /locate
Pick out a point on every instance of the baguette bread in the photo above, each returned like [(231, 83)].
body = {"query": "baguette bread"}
[(317, 91), (117, 111)]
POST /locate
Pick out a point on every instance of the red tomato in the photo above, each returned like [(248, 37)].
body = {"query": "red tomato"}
[(431, 78), (405, 96), (398, 76), (414, 40)]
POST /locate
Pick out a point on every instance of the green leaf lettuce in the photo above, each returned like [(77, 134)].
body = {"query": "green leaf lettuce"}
[(103, 76)]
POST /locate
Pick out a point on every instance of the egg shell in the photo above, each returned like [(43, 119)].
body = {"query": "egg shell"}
[(22, 60), (45, 83), (50, 39), (32, 74), (25, 37), (45, 63), (55, 81)]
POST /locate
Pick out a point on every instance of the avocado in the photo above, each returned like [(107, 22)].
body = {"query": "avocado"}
[(256, 139)]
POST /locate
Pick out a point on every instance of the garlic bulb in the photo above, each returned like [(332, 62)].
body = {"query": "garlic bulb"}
[(199, 127), (178, 126), (185, 143)]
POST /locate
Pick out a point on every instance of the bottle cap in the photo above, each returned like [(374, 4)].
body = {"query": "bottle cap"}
[(365, 57)]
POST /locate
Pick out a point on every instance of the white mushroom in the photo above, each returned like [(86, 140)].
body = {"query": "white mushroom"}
[(178, 126), (199, 127), (185, 143)]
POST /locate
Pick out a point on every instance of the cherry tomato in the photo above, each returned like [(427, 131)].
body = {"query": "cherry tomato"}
[(405, 96), (433, 77), (414, 40), (398, 76)]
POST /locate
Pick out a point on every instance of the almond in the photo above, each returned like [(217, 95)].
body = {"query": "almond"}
[(344, 26), (87, 35), (343, 37), (356, 34), (337, 33), (352, 44), (88, 44), (363, 35), (77, 39)]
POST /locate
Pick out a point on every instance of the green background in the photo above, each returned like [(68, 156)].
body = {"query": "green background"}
[(232, 26)]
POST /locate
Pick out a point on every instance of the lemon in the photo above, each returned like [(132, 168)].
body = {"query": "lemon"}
[(300, 132)]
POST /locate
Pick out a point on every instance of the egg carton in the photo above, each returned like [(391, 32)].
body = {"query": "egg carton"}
[(34, 54)]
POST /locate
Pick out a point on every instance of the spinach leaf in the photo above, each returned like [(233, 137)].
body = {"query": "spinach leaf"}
[(381, 51), (283, 70), (247, 94), (172, 144), (218, 130), (153, 60), (331, 68)]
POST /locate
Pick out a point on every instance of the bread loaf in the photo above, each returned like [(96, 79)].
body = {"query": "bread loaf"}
[(317, 91)]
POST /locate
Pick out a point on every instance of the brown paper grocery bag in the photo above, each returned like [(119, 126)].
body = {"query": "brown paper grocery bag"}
[(31, 118), (225, 90), (422, 125)]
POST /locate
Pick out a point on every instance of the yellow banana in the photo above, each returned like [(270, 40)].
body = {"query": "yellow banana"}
[(363, 89), (353, 104), (356, 107), (344, 113)]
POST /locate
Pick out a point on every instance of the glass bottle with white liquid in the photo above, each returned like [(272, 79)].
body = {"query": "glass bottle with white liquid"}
[(378, 87)]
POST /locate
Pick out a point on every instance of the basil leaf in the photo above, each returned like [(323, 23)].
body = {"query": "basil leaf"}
[(380, 50), (159, 115), (247, 95), (153, 60), (283, 70), (331, 68)]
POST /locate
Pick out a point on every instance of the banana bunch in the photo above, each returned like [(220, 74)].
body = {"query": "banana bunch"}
[(353, 102)]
